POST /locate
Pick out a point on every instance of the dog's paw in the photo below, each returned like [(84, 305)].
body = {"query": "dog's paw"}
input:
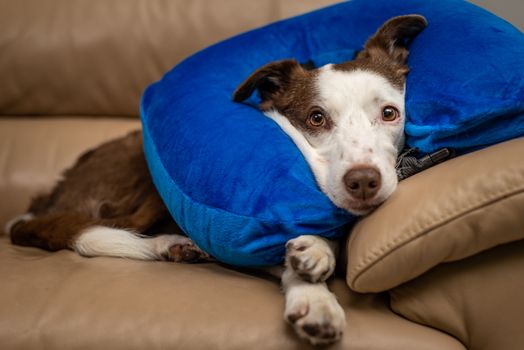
[(311, 257), (186, 251), (315, 314), (11, 224)]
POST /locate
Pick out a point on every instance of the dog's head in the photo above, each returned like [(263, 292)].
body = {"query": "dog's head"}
[(347, 119)]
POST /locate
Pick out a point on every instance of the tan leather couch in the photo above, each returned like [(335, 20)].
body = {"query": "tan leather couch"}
[(439, 266)]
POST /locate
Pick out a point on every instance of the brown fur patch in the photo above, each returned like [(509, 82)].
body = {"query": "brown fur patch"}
[(109, 185), (395, 74), (50, 231), (386, 51), (288, 88)]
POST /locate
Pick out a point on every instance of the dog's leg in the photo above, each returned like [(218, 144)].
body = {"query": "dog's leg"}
[(107, 241), (87, 237), (311, 309), (150, 211), (313, 258), (50, 232), (103, 239)]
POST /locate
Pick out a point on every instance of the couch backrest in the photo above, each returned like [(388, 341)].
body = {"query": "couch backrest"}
[(95, 57)]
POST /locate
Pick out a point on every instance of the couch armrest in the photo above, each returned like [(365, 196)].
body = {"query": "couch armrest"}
[(452, 211)]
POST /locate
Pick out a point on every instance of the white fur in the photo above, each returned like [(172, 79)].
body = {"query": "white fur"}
[(311, 304), (11, 223), (313, 255), (354, 101), (106, 241)]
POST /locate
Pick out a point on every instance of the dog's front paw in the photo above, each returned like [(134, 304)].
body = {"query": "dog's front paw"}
[(315, 314), (178, 248), (188, 252), (311, 257)]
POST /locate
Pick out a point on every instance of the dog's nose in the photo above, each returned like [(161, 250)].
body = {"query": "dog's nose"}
[(362, 182)]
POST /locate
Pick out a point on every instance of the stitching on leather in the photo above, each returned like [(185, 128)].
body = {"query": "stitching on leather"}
[(412, 234)]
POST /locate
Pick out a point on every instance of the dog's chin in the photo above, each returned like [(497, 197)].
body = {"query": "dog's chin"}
[(359, 209)]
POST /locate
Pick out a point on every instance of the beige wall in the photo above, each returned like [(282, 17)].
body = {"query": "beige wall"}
[(510, 10)]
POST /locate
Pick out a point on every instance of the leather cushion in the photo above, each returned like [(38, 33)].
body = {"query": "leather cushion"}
[(95, 57), (64, 301), (478, 300), (449, 212)]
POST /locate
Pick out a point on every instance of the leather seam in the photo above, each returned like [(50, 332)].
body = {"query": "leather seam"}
[(398, 242)]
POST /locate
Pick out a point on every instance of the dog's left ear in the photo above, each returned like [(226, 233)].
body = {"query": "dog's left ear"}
[(270, 81), (391, 40)]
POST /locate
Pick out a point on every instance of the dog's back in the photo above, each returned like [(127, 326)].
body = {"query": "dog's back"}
[(104, 205), (107, 182)]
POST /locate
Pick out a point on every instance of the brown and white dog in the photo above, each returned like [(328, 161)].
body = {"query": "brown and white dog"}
[(347, 119)]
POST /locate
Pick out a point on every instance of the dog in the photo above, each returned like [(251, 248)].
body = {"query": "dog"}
[(347, 120)]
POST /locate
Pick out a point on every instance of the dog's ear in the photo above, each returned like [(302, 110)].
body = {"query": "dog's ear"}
[(269, 80), (391, 40)]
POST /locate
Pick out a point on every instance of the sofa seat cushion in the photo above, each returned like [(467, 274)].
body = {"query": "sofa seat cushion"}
[(449, 212), (64, 301), (478, 300)]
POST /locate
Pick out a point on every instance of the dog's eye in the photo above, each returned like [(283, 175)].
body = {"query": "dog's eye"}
[(316, 119), (390, 114)]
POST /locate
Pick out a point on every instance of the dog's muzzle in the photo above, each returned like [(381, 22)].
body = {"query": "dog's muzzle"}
[(362, 182)]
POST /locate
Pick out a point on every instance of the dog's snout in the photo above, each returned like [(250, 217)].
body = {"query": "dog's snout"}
[(362, 182)]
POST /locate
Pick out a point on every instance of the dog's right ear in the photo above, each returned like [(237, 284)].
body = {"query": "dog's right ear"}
[(269, 80), (389, 43)]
